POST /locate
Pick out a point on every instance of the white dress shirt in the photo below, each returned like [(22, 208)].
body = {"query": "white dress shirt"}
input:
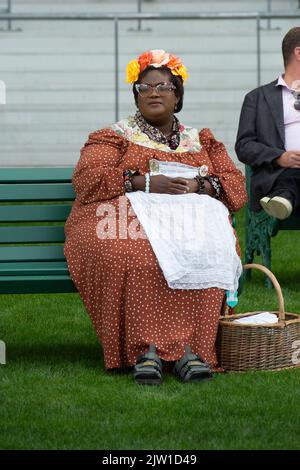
[(291, 117)]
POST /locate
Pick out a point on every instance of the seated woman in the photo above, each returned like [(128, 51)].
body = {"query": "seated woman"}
[(139, 319)]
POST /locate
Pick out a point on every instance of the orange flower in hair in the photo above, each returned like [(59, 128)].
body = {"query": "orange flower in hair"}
[(144, 60), (155, 58), (174, 62)]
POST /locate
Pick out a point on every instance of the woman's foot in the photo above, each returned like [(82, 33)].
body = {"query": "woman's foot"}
[(191, 368), (148, 368)]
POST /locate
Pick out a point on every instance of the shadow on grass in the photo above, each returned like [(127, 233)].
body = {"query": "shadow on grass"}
[(88, 355), (289, 279)]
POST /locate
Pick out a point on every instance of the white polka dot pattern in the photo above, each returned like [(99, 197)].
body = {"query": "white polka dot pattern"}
[(119, 280)]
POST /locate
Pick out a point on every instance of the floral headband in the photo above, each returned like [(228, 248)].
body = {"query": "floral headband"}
[(156, 58)]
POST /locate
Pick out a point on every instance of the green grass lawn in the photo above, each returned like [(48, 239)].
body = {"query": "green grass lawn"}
[(55, 393)]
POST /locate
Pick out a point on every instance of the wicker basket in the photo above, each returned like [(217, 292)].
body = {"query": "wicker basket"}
[(273, 346)]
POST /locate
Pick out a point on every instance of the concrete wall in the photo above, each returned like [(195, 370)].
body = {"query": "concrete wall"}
[(59, 76)]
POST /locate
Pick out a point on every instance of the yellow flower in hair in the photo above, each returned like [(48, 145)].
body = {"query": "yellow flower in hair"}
[(156, 58), (132, 71), (182, 71)]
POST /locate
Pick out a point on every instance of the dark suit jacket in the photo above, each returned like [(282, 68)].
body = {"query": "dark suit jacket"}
[(261, 138)]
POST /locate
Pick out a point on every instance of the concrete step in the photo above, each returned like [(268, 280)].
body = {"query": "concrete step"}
[(60, 74), (152, 5), (101, 43), (95, 80), (99, 112), (31, 156), (71, 28), (60, 156), (32, 124), (81, 97), (89, 3), (60, 114), (74, 135), (226, 60), (23, 136), (95, 116)]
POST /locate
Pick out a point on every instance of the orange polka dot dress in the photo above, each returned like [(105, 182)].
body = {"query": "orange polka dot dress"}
[(118, 277)]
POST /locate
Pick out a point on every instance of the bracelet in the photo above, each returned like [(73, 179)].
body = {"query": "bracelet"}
[(128, 186), (215, 182), (201, 182), (147, 183), (127, 175)]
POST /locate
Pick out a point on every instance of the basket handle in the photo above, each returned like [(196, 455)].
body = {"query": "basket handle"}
[(275, 283)]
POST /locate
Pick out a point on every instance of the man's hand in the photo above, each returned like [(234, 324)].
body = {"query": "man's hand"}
[(290, 159)]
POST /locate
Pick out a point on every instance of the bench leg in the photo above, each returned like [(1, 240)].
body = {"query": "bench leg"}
[(249, 246), (266, 256), (259, 229)]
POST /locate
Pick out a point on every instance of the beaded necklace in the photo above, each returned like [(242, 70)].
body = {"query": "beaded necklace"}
[(172, 140)]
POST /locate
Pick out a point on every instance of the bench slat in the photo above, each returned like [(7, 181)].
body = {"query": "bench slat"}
[(34, 234), (291, 223), (36, 192), (36, 284), (34, 174), (34, 213), (31, 253), (34, 268)]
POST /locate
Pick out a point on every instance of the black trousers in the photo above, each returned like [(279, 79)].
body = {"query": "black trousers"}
[(288, 185)]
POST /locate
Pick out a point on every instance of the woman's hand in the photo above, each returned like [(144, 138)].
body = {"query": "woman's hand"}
[(193, 187), (162, 184), (165, 185)]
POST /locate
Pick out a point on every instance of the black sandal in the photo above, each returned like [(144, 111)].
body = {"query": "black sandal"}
[(191, 368), (148, 368)]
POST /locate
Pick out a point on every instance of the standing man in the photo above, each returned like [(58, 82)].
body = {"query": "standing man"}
[(269, 137)]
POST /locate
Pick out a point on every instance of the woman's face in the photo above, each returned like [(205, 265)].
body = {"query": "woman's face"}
[(157, 107)]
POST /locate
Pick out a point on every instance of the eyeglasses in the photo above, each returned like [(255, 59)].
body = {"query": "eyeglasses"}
[(297, 102), (296, 95), (144, 89)]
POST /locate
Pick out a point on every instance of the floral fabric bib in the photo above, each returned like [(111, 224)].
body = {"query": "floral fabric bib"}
[(128, 128)]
